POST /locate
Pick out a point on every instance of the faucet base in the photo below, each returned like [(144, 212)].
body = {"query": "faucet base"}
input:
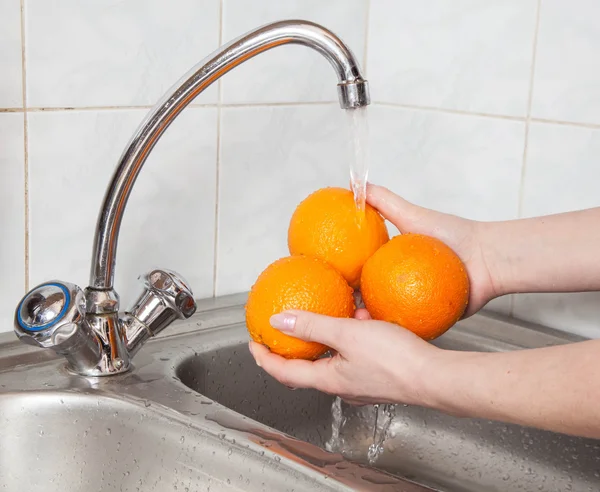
[(114, 357)]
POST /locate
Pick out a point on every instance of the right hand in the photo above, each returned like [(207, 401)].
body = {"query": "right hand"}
[(374, 361), (462, 235)]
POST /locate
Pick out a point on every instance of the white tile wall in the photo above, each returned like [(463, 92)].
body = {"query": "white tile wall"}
[(169, 220), (11, 80), (12, 216), (563, 169), (464, 56), (464, 165), (114, 53), (271, 159), (567, 78)]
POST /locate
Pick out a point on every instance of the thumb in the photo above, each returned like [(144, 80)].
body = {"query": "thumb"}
[(313, 327), (397, 210)]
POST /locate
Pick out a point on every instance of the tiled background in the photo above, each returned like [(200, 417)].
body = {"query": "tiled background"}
[(487, 109)]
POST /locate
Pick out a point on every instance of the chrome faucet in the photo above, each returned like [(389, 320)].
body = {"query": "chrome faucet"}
[(86, 326)]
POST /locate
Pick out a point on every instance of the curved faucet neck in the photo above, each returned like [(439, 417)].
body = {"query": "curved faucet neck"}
[(352, 90)]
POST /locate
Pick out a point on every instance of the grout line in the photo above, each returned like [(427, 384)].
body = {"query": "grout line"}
[(277, 104), (529, 106), (84, 108), (591, 126), (521, 196), (450, 111), (25, 149), (192, 105), (365, 54), (218, 163)]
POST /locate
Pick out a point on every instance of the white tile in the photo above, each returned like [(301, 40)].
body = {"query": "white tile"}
[(462, 54), (169, 221), (290, 73), (562, 172), (577, 313), (561, 175), (12, 217), (11, 82), (271, 159), (567, 75), (113, 53), (465, 165)]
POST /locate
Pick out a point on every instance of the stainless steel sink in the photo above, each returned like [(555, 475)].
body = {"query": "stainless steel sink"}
[(196, 413), (72, 441)]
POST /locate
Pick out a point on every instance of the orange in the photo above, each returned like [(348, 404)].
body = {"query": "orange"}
[(417, 282), (327, 225), (296, 282)]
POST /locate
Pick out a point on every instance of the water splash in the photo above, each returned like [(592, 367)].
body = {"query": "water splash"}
[(380, 432), (358, 125), (337, 421), (368, 425)]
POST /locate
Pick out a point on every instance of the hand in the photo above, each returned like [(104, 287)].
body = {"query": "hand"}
[(462, 235), (375, 362)]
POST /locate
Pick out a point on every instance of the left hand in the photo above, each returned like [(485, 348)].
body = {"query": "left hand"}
[(375, 362)]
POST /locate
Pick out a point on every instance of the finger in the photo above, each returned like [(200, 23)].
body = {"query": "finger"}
[(293, 373), (313, 327), (397, 210), (362, 314)]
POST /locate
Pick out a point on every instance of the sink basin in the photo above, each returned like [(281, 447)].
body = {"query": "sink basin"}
[(426, 446), (66, 441)]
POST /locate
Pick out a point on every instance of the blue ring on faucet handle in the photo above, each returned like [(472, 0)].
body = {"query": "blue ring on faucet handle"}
[(60, 315)]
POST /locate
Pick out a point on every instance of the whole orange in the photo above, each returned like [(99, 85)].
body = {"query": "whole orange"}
[(327, 225), (417, 282), (296, 282)]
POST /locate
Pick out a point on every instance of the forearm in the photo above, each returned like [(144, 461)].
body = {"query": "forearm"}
[(555, 388), (555, 253)]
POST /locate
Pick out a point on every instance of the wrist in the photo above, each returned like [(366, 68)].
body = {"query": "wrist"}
[(489, 237), (442, 385)]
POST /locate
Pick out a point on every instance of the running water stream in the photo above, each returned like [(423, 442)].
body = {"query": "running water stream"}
[(359, 162), (375, 420)]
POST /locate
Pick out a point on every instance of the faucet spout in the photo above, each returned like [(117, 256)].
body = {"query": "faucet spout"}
[(353, 92)]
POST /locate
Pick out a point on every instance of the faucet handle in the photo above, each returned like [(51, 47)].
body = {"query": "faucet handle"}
[(53, 316), (166, 297), (49, 314)]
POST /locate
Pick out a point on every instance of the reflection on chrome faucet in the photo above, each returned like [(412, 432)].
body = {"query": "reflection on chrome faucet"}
[(86, 327)]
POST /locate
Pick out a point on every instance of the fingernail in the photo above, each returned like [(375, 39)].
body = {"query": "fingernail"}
[(291, 388), (283, 322)]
